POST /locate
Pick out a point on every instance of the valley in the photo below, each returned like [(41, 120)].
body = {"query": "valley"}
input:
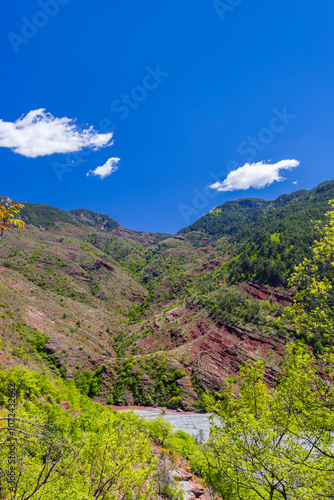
[(150, 318)]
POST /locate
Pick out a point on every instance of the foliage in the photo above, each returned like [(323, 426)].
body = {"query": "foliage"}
[(8, 217), (98, 454), (165, 487), (232, 305), (93, 219), (45, 216), (161, 431), (174, 402), (32, 335), (242, 218), (268, 236), (312, 312), (148, 381), (89, 383), (264, 259), (277, 444)]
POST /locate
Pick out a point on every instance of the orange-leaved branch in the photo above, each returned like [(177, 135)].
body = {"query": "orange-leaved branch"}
[(8, 217)]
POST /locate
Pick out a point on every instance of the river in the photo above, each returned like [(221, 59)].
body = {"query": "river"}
[(191, 423)]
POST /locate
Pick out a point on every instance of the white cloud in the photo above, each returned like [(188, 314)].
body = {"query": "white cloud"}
[(108, 168), (40, 134), (295, 182), (256, 175)]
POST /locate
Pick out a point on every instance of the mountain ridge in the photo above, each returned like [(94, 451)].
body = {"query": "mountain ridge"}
[(79, 296), (223, 211), (92, 218)]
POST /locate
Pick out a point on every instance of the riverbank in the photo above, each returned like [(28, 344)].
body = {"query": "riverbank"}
[(155, 409), (195, 424)]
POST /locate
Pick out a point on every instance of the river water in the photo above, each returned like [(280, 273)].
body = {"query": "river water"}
[(191, 423)]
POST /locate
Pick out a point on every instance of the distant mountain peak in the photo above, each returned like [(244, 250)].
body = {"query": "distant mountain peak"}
[(6, 201), (94, 219)]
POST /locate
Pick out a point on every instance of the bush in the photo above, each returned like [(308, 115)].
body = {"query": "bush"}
[(114, 448), (88, 383), (174, 403)]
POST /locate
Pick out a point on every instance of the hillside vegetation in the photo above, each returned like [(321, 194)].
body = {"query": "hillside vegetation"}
[(217, 318), (208, 299)]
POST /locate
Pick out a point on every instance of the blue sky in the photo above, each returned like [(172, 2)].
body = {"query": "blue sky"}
[(192, 90)]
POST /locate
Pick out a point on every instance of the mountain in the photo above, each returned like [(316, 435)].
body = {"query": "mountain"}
[(165, 317), (40, 215), (271, 236), (242, 217), (93, 219)]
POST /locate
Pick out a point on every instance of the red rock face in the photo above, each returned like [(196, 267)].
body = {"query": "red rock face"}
[(82, 300), (187, 388), (224, 348), (212, 351), (262, 292), (65, 405)]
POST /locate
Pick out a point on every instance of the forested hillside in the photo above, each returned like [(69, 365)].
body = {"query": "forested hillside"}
[(269, 236), (146, 306), (91, 313)]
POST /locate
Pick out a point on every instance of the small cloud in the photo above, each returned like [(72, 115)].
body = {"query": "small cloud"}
[(256, 175), (295, 183), (40, 134), (108, 168)]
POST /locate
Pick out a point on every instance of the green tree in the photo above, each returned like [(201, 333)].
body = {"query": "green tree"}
[(277, 444), (312, 312), (117, 458), (161, 430), (87, 453), (89, 383)]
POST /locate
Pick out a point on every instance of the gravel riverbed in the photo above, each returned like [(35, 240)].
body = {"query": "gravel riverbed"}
[(191, 423)]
